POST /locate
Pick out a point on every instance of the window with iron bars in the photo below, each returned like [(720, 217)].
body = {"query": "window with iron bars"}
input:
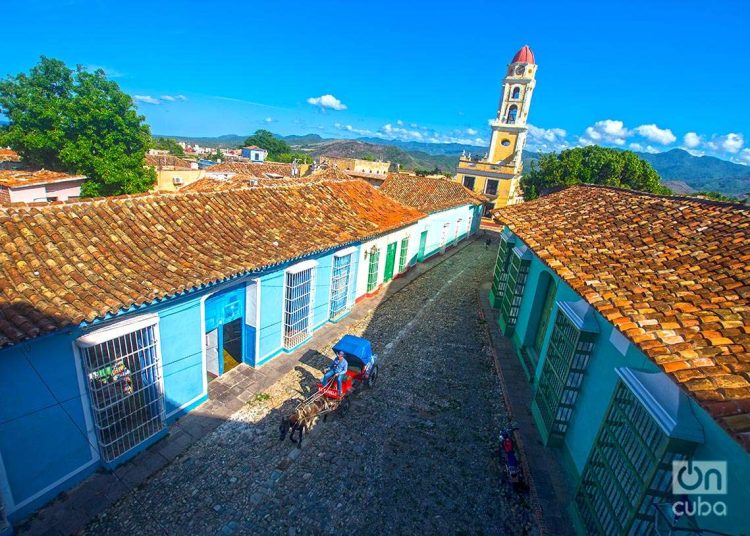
[(299, 297), (567, 357), (518, 271), (629, 470), (372, 270), (124, 384), (403, 255), (340, 285), (500, 277)]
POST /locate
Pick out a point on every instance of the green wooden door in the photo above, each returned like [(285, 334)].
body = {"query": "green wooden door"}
[(390, 262), (422, 246)]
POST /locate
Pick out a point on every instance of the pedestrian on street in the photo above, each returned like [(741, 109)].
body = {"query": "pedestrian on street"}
[(338, 369), (487, 243)]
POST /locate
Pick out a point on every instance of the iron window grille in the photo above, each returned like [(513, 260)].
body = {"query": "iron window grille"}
[(518, 272), (568, 352), (500, 277), (124, 384), (403, 255), (372, 269), (629, 469), (299, 297), (340, 281)]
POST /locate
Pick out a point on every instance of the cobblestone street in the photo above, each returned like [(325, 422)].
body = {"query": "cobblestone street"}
[(414, 455)]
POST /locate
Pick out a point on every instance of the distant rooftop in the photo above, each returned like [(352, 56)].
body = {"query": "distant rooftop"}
[(21, 178)]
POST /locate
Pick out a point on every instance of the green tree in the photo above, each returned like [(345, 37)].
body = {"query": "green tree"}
[(167, 144), (77, 122), (266, 140), (286, 158), (591, 165)]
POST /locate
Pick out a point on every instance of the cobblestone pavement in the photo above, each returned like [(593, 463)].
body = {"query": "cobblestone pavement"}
[(414, 455)]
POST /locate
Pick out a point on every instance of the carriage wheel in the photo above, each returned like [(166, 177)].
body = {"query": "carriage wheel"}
[(373, 377), (344, 406)]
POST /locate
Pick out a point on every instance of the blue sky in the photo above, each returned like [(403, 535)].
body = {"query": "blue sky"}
[(637, 73)]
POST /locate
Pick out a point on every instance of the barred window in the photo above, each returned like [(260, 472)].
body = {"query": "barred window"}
[(518, 271), (500, 278), (340, 279), (629, 471), (298, 303), (570, 347), (403, 255), (372, 270), (124, 384)]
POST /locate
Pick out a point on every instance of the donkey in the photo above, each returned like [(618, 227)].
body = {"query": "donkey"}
[(302, 420)]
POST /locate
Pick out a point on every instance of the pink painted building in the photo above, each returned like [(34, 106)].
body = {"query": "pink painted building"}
[(24, 186)]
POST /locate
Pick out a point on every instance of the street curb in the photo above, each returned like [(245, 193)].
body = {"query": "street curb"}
[(533, 495)]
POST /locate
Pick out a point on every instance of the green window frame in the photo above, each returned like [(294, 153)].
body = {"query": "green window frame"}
[(629, 470), (518, 272), (402, 257), (372, 269), (500, 276), (568, 353), (541, 329)]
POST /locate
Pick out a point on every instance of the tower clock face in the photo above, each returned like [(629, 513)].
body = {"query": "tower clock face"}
[(520, 69)]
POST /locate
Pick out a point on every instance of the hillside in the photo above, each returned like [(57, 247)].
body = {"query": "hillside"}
[(701, 173), (678, 168)]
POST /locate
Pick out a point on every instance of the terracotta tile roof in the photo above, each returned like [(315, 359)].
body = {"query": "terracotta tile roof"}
[(65, 263), (233, 182), (9, 155), (673, 274), (428, 195), (257, 169), (20, 178), (167, 160)]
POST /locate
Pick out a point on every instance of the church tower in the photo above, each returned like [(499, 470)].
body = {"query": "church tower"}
[(498, 173)]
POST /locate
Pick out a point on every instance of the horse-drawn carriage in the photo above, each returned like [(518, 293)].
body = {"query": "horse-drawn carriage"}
[(362, 369)]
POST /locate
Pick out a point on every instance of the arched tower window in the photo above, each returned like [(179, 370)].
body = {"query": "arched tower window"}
[(516, 93), (512, 113)]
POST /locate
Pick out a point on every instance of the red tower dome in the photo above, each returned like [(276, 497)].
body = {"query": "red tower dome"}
[(524, 55)]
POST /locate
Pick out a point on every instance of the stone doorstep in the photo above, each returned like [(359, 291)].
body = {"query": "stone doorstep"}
[(67, 518)]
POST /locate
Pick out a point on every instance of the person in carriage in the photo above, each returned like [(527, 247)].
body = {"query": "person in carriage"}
[(337, 369)]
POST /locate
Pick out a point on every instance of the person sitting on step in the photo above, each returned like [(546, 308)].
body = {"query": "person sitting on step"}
[(337, 369)]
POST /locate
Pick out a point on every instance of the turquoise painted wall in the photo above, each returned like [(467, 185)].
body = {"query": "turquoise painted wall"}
[(597, 390)]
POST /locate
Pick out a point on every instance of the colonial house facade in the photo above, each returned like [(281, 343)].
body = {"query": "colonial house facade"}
[(116, 313), (630, 314)]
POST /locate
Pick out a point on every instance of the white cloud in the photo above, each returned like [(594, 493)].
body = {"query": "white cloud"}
[(653, 133), (636, 147), (400, 123), (148, 99), (353, 130), (732, 142), (472, 132), (174, 98), (547, 139), (691, 140), (268, 120), (743, 157), (327, 101), (606, 131)]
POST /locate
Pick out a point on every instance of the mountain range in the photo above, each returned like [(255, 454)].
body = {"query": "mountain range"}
[(679, 170)]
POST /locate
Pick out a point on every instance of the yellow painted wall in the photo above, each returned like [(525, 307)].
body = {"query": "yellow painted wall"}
[(504, 187), (164, 178), (500, 152)]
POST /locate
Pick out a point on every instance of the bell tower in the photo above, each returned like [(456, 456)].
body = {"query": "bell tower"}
[(498, 174), (509, 127)]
